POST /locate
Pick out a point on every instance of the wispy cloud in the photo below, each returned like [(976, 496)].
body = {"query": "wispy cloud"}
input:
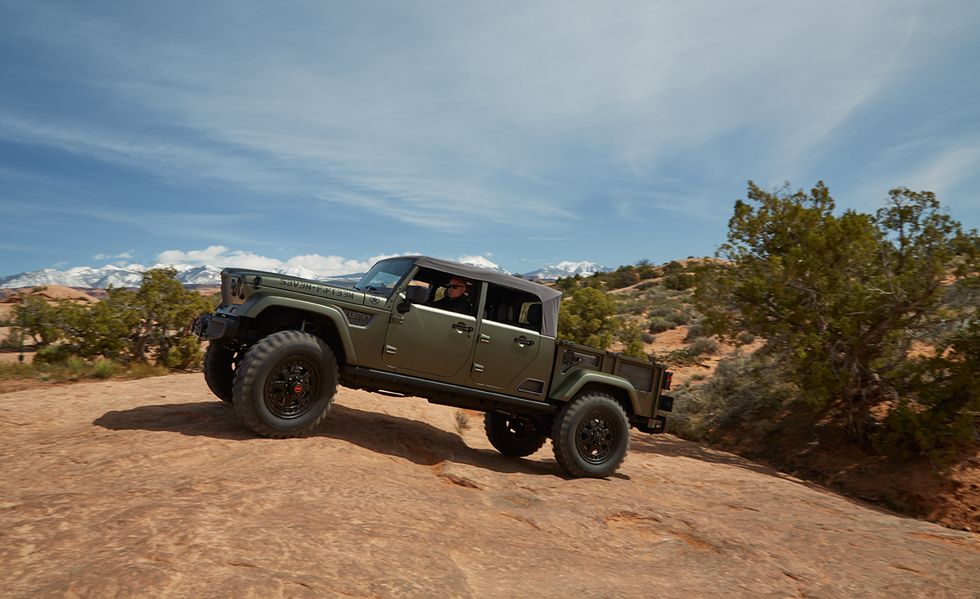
[(451, 123), (407, 129), (119, 256)]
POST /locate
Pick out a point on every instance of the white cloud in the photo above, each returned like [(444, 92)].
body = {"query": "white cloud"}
[(219, 255)]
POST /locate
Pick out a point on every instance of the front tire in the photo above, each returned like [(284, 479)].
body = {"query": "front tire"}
[(591, 435), (285, 384), (219, 371), (517, 436)]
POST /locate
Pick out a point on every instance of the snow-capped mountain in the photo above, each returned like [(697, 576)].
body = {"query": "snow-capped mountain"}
[(482, 262), (565, 269), (132, 275)]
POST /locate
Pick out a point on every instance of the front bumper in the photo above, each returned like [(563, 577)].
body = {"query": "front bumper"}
[(212, 327)]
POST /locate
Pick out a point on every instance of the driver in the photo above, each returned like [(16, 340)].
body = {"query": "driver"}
[(457, 298)]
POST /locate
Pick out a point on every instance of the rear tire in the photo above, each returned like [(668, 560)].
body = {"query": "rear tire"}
[(285, 384), (518, 436), (591, 435), (219, 370)]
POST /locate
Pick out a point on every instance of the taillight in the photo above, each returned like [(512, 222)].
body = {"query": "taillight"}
[(668, 378)]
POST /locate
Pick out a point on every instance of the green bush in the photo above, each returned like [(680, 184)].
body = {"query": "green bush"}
[(141, 370), (660, 310), (745, 392), (52, 354), (103, 369), (702, 346), (588, 318), (130, 326), (659, 325), (679, 281), (695, 331), (76, 366)]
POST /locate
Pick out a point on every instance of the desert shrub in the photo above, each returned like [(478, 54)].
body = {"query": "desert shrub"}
[(702, 346), (76, 365), (695, 331), (743, 391), (38, 319), (633, 305), (588, 318), (679, 318), (661, 311), (624, 276), (659, 325), (679, 281), (568, 285), (647, 337), (140, 370), (184, 353), (631, 336), (130, 326), (17, 370), (745, 338), (103, 369), (52, 354)]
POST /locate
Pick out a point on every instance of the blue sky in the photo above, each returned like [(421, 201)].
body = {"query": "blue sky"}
[(328, 133)]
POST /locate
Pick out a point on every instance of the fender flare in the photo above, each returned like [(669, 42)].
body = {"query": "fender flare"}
[(576, 381), (257, 305)]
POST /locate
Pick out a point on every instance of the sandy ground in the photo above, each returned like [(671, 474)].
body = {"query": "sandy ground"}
[(152, 488)]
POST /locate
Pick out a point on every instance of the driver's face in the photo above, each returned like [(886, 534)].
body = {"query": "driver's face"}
[(456, 287)]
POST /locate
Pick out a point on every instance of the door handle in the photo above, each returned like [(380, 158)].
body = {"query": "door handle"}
[(462, 327), (523, 341)]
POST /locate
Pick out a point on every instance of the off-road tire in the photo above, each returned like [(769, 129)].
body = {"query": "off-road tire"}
[(517, 436), (285, 384), (219, 371), (591, 436)]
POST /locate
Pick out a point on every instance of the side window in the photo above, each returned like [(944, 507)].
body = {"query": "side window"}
[(448, 292), (513, 307)]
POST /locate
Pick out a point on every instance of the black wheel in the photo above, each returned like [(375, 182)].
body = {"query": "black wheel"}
[(515, 435), (285, 384), (591, 435), (219, 370)]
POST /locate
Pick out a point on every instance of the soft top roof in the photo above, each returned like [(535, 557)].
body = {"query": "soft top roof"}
[(550, 298)]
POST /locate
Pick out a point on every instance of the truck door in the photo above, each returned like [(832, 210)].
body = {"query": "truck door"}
[(509, 338), (429, 340), (502, 352)]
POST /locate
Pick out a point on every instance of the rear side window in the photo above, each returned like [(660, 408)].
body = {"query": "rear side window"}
[(513, 307)]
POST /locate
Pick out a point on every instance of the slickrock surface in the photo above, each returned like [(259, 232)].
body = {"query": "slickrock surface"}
[(153, 488)]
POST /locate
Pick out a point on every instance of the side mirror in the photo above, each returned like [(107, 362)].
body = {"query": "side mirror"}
[(414, 294)]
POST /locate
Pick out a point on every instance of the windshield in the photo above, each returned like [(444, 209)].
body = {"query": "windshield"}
[(384, 276)]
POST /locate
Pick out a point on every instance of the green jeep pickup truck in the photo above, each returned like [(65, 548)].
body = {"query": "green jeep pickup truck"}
[(279, 345)]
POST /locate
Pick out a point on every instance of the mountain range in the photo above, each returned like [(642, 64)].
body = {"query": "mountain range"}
[(132, 275)]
